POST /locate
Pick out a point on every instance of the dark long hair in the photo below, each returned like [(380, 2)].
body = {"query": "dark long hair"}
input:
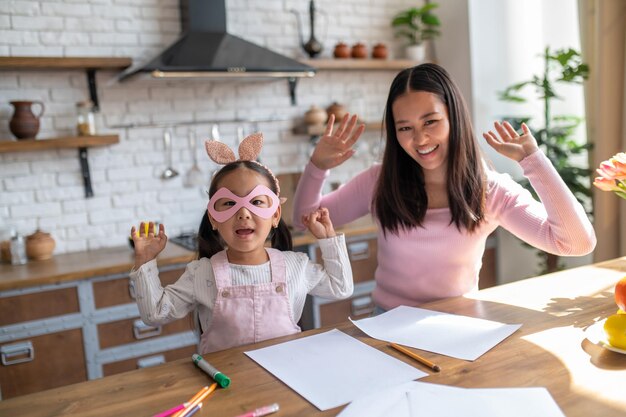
[(400, 200), (209, 240)]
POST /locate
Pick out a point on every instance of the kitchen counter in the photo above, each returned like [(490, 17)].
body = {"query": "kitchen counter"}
[(87, 264), (81, 265)]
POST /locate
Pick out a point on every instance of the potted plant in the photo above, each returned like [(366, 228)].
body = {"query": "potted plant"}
[(556, 136), (417, 24)]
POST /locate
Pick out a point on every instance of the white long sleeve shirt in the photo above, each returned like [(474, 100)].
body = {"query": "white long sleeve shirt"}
[(196, 287)]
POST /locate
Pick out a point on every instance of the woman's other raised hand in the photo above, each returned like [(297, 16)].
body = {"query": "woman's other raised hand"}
[(510, 143), (333, 149)]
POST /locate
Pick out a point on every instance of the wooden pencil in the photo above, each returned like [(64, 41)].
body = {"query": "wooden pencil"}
[(417, 357)]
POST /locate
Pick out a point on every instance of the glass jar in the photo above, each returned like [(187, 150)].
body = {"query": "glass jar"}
[(85, 122)]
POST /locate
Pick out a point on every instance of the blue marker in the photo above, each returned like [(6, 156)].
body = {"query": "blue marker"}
[(219, 377)]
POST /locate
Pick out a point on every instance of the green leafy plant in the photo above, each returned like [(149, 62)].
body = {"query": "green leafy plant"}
[(417, 24), (556, 136)]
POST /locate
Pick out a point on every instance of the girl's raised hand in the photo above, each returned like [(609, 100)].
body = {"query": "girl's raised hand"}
[(318, 222), (148, 244), (333, 149), (510, 143)]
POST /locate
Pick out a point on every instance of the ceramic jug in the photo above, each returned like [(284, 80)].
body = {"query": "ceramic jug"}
[(25, 124)]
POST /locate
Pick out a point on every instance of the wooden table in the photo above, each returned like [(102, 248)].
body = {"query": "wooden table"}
[(549, 350)]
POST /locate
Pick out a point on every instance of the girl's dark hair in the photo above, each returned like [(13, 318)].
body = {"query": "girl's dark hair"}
[(400, 200), (209, 240)]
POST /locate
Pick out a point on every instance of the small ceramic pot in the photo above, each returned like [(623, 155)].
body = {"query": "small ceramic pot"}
[(359, 51), (39, 246), (339, 110), (341, 50), (379, 51), (315, 116)]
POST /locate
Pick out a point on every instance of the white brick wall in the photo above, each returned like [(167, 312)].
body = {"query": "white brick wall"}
[(44, 189)]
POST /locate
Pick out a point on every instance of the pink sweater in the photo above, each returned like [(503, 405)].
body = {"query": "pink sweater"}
[(437, 261)]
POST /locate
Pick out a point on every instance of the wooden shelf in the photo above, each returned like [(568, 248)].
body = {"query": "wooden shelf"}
[(351, 64), (59, 63), (27, 145)]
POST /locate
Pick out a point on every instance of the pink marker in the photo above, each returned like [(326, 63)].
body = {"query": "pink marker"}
[(171, 410), (263, 411)]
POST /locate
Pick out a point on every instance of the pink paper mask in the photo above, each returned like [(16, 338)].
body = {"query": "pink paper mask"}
[(259, 190)]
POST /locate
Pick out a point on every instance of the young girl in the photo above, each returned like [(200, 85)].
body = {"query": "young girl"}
[(433, 199), (243, 291)]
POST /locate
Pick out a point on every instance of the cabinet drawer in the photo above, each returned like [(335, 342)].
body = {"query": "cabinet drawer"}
[(39, 305), (118, 291), (357, 307), (135, 363), (121, 332), (362, 255), (42, 362)]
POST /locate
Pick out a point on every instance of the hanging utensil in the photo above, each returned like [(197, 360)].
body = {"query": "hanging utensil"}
[(194, 176), (215, 132), (169, 172)]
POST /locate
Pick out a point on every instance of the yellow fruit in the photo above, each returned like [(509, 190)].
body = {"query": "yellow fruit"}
[(615, 330)]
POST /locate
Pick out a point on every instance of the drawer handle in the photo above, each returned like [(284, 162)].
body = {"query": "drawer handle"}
[(17, 353), (362, 305), (144, 331), (359, 250), (131, 290), (150, 361)]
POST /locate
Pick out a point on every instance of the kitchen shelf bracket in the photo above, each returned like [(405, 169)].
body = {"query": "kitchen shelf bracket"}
[(93, 90), (84, 167), (293, 83)]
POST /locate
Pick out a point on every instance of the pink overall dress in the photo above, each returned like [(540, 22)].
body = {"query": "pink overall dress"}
[(248, 313)]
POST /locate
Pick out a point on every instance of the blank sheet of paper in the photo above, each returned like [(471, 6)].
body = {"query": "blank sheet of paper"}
[(448, 334), (331, 369), (418, 399)]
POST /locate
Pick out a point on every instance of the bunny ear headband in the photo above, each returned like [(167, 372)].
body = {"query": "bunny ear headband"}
[(249, 150)]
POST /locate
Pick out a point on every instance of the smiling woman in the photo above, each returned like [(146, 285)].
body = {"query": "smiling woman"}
[(434, 199)]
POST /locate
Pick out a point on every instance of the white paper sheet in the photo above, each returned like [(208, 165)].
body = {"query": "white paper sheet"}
[(331, 369), (417, 399), (448, 334), (484, 402)]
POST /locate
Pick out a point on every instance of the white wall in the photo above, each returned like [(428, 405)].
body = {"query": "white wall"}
[(44, 189), (507, 40)]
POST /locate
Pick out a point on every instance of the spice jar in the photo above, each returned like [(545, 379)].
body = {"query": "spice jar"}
[(342, 50), (379, 51), (85, 122), (315, 116), (359, 50)]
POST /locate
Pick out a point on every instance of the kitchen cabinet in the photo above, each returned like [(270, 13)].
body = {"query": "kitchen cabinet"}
[(66, 329)]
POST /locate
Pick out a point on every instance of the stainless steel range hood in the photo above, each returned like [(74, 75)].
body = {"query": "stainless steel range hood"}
[(206, 50)]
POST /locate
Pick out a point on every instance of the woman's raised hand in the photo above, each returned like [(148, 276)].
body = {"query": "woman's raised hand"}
[(510, 143), (148, 244), (333, 149)]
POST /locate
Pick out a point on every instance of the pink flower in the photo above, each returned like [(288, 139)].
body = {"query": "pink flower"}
[(613, 175), (605, 184)]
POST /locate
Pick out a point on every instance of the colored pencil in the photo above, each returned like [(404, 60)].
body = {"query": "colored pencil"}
[(194, 410), (203, 395), (171, 410), (417, 357)]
